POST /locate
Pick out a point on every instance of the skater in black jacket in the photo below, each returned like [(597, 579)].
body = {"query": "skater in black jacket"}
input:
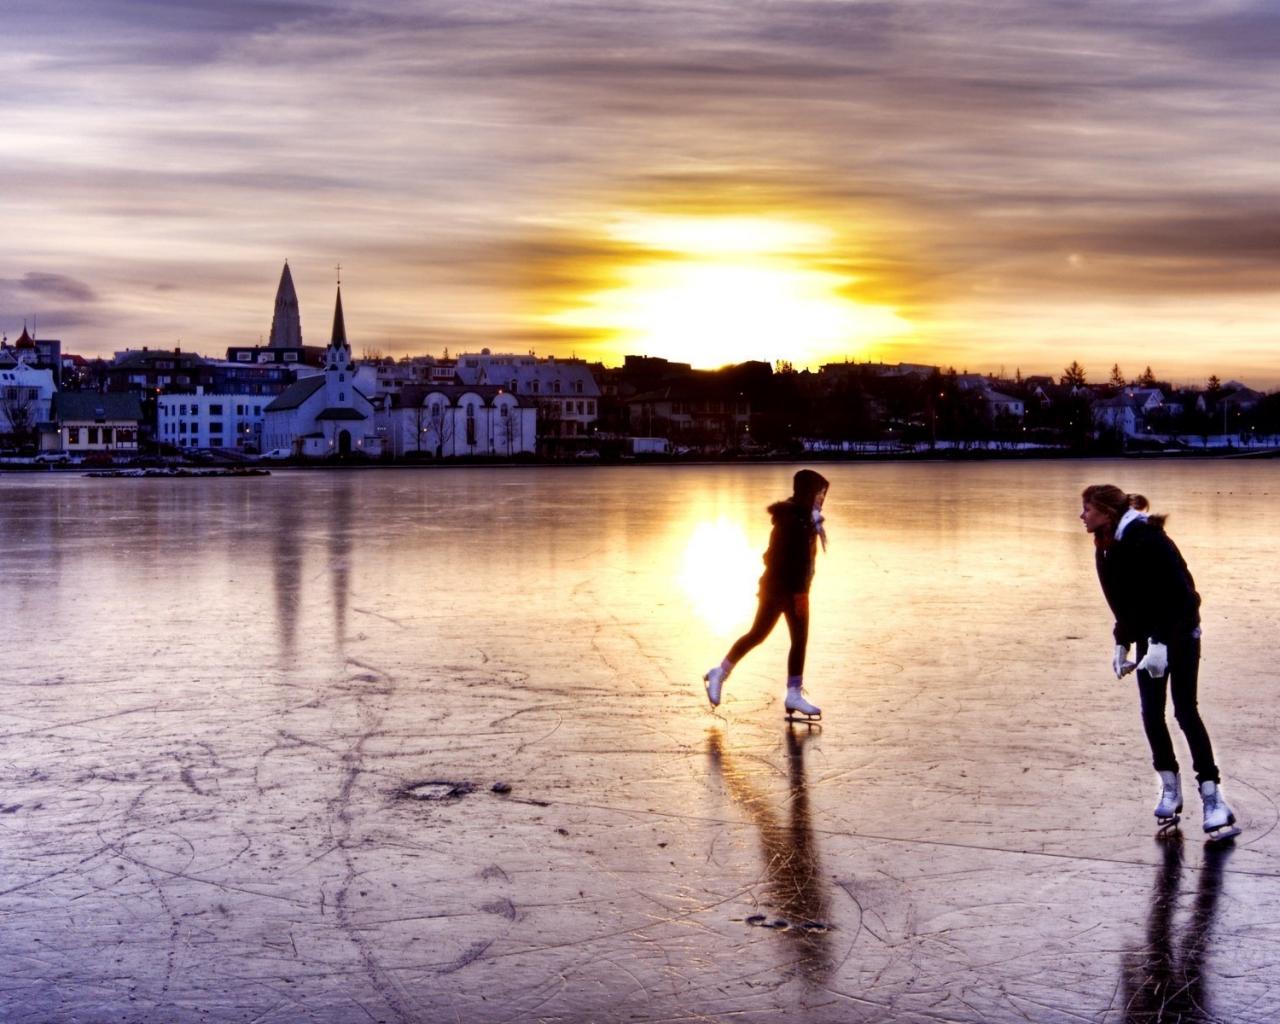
[(1153, 597), (784, 588)]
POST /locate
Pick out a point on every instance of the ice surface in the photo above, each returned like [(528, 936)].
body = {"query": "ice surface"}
[(251, 732)]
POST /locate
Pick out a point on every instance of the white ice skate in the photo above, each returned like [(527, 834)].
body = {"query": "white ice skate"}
[(713, 680), (1169, 809), (799, 709), (1219, 820)]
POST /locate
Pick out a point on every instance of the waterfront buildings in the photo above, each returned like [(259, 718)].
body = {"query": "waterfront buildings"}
[(221, 420), (451, 420), (85, 422), (563, 391)]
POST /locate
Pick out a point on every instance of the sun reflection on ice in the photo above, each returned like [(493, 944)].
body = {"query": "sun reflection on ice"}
[(719, 574)]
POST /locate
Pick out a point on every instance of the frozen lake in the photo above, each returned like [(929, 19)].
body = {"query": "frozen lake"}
[(218, 696)]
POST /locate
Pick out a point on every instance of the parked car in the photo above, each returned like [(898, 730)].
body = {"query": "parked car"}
[(53, 458), (278, 453)]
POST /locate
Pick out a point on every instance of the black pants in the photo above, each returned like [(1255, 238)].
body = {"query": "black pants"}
[(795, 607), (1181, 680)]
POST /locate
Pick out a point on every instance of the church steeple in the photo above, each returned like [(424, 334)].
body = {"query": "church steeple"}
[(339, 325), (338, 355), (286, 324)]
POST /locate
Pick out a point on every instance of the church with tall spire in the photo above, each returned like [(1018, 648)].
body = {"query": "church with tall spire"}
[(286, 322), (325, 413), (284, 346)]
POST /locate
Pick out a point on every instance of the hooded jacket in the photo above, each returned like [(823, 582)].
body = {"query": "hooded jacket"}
[(793, 549), (1147, 583)]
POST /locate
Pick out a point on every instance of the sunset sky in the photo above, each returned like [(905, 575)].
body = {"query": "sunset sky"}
[(982, 185)]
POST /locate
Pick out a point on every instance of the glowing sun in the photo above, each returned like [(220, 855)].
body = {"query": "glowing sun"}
[(717, 290)]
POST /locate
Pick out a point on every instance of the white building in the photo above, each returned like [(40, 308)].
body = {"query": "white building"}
[(564, 390), (1119, 413), (1145, 400), (449, 421), (211, 421), (997, 404), (326, 413), (26, 397)]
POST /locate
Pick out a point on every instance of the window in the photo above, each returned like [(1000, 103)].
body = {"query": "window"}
[(341, 377), (534, 387), (591, 407), (239, 408), (215, 410), (577, 386), (471, 424), (93, 435), (244, 357), (342, 396), (503, 409), (581, 409), (291, 357), (555, 386), (73, 435)]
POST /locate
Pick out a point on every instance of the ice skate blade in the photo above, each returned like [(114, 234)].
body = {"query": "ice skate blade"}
[(1222, 835), (1167, 828), (799, 718)]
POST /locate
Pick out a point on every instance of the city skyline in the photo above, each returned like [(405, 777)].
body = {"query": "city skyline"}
[(999, 186)]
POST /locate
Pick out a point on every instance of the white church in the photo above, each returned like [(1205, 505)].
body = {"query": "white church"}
[(324, 414)]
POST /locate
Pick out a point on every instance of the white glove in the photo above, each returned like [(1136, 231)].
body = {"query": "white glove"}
[(1156, 660), (1121, 664)]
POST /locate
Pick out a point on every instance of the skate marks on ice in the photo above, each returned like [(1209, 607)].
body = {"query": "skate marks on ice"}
[(241, 851)]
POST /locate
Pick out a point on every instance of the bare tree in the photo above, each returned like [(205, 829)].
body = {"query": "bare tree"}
[(439, 426), (18, 405), (508, 429), (420, 423)]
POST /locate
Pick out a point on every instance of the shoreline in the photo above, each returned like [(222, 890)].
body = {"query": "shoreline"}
[(181, 470)]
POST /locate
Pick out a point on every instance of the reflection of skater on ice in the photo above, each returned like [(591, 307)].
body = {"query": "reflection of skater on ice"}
[(1154, 599), (794, 890), (1164, 982), (784, 589)]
